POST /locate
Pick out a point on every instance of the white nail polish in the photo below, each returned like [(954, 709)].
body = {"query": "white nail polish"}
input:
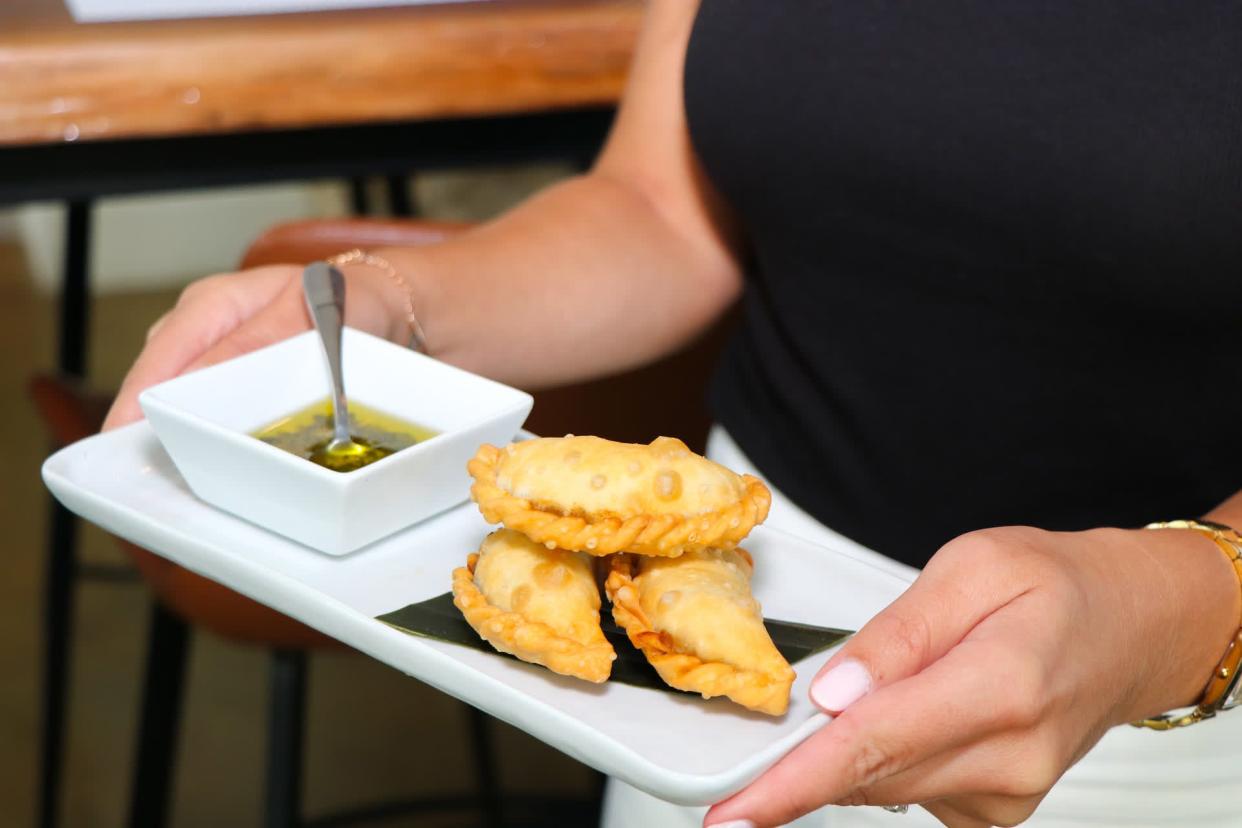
[(841, 686), (734, 823)]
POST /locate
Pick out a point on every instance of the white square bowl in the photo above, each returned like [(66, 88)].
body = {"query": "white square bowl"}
[(205, 420)]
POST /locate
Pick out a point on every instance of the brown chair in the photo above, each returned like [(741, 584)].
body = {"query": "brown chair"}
[(612, 407)]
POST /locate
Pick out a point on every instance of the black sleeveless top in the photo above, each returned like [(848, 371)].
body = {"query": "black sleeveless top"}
[(996, 269)]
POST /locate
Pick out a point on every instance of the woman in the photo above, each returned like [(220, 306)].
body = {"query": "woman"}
[(957, 228)]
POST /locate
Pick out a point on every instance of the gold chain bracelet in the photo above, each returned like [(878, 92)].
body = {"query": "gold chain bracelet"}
[(418, 340), (1224, 678)]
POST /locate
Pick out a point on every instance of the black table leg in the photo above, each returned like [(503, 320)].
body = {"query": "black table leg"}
[(75, 295), (359, 199), (159, 721), (286, 718), (400, 202), (57, 621), (485, 768), (63, 525)]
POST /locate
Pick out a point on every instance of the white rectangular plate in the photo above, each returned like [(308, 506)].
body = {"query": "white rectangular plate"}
[(676, 747)]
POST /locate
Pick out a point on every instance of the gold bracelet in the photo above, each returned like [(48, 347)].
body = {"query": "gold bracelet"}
[(418, 340), (1220, 692)]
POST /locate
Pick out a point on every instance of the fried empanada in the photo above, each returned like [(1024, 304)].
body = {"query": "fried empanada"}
[(539, 604), (598, 496), (696, 621)]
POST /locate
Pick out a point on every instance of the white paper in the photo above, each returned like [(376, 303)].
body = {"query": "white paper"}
[(99, 11)]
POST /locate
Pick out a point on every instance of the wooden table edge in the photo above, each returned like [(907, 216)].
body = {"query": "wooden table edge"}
[(85, 82)]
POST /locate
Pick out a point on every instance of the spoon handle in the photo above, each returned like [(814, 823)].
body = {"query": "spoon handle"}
[(324, 287)]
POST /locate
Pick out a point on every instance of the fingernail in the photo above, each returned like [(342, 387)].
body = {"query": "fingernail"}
[(841, 686), (734, 823)]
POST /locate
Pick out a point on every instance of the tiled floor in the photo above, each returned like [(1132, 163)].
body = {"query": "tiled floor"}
[(372, 733)]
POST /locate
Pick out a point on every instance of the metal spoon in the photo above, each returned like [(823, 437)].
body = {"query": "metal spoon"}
[(324, 288)]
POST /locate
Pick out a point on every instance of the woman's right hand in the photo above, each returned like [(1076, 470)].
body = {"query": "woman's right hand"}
[(223, 316)]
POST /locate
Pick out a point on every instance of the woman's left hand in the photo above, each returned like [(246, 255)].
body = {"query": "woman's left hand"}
[(1009, 657)]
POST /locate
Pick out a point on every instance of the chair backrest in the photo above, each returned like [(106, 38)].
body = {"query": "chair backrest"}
[(68, 408)]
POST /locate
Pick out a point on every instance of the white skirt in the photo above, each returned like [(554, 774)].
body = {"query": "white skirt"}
[(1178, 779)]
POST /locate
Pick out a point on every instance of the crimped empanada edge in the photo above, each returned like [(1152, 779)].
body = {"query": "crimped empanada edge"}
[(754, 690), (657, 535), (510, 633)]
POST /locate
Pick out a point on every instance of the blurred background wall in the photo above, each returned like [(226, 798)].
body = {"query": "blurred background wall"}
[(153, 242), (147, 242)]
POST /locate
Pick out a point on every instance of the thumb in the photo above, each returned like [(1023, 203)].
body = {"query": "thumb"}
[(284, 317), (949, 598), (207, 311)]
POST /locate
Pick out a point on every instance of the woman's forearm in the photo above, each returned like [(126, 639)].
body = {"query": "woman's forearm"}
[(587, 278)]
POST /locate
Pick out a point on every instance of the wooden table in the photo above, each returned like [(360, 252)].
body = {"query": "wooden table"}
[(63, 81), (92, 110)]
